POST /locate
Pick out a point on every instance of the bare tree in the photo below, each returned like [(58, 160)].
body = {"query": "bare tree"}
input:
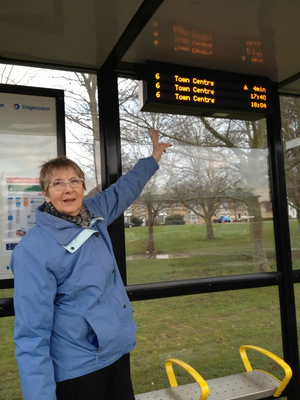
[(83, 111), (136, 143), (193, 179), (247, 141), (202, 183), (9, 75), (154, 204)]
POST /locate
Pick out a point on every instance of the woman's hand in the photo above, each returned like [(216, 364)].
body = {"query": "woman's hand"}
[(158, 148)]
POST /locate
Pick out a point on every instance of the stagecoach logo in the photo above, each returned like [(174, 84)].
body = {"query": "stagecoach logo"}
[(35, 108), (31, 108)]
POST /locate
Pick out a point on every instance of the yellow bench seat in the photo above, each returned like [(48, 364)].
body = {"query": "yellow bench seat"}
[(250, 385)]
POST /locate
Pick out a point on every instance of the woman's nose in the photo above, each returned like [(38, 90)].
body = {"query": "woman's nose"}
[(68, 187)]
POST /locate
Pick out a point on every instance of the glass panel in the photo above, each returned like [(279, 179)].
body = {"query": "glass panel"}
[(205, 331), (82, 125), (207, 211), (290, 117)]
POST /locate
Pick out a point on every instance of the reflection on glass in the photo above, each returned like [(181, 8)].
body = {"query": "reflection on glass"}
[(205, 331), (208, 211), (203, 44), (290, 117)]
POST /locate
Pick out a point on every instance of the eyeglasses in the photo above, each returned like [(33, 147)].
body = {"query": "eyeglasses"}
[(61, 185)]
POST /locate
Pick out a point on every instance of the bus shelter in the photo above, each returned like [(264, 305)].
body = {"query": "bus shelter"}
[(234, 61)]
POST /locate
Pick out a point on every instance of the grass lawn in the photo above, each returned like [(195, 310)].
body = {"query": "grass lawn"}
[(191, 238), (204, 330), (190, 255), (10, 388)]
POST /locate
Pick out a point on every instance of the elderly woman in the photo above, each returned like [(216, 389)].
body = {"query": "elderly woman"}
[(74, 322)]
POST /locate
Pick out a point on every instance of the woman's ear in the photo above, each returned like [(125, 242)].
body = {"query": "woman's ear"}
[(46, 197)]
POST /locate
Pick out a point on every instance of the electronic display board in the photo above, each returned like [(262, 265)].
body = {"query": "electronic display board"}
[(183, 90)]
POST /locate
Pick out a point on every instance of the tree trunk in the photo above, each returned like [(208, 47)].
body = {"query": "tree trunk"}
[(89, 81), (151, 247), (209, 229), (92, 92), (256, 228)]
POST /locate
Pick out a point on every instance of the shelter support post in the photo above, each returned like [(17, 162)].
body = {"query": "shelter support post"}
[(110, 152), (283, 249)]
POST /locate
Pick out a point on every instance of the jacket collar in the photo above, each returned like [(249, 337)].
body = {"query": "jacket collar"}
[(59, 229)]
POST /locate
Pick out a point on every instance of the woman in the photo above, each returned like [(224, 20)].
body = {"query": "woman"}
[(74, 324)]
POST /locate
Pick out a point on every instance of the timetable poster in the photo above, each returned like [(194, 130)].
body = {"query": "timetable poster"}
[(21, 198)]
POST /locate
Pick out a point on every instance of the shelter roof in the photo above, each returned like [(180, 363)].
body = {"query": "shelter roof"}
[(257, 37)]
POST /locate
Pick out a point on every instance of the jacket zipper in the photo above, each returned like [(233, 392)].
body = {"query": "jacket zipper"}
[(97, 354)]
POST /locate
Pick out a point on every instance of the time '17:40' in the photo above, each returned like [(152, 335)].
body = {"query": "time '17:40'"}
[(257, 96)]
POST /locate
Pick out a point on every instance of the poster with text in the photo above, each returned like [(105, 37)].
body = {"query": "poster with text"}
[(21, 198), (28, 137)]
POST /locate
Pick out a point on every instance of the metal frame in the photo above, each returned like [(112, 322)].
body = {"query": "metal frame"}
[(111, 166), (60, 107), (138, 22), (283, 248)]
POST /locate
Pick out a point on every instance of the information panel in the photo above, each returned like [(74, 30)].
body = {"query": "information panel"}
[(31, 128), (180, 90)]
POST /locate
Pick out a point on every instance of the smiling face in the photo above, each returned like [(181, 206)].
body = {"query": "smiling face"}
[(68, 200)]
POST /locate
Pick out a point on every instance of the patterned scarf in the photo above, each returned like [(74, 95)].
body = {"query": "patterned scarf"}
[(83, 219)]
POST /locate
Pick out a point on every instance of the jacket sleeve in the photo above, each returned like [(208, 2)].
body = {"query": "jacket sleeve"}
[(34, 294), (118, 197)]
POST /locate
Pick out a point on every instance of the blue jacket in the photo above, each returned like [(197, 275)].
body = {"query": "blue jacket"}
[(73, 315)]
